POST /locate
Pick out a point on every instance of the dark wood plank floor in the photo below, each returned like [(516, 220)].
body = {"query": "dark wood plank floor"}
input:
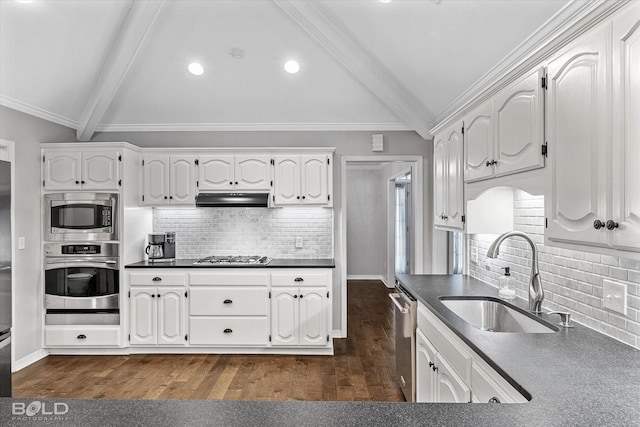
[(360, 370)]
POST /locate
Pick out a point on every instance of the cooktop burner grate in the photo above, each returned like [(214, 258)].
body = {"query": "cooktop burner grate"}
[(235, 259)]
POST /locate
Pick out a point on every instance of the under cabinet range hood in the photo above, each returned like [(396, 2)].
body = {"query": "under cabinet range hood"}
[(232, 200)]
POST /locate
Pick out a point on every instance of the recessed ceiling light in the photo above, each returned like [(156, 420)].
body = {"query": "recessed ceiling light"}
[(24, 1), (196, 69), (385, 1), (291, 67), (236, 53)]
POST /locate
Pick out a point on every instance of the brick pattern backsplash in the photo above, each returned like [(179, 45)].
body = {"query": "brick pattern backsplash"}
[(572, 280), (248, 231)]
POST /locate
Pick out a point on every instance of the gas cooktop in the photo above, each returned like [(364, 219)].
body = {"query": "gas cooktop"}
[(235, 260)]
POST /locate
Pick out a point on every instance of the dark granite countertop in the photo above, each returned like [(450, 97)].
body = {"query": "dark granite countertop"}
[(576, 377), (275, 263)]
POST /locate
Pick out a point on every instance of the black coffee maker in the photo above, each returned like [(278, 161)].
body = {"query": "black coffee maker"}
[(162, 247)]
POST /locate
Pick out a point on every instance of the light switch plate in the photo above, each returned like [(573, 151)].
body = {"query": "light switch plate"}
[(298, 242), (614, 296), (21, 243), (474, 255)]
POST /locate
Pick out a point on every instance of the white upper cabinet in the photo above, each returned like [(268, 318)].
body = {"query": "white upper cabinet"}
[(478, 143), (81, 170), (302, 180), (168, 180), (626, 129), (505, 135), (578, 120), (448, 178), (519, 125), (239, 172)]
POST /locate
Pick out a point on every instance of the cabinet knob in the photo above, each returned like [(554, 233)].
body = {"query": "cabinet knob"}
[(153, 295), (77, 182), (165, 197), (611, 225), (236, 182), (597, 224), (304, 197), (230, 182), (81, 182), (298, 197), (301, 296), (493, 400), (295, 296), (82, 337), (171, 197), (227, 301), (227, 331)]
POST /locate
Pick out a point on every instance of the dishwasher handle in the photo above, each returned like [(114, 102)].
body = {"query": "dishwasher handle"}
[(394, 297)]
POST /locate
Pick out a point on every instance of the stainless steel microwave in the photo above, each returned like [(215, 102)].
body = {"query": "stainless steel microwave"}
[(81, 216)]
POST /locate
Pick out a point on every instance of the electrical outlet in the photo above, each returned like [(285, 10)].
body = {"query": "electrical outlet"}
[(614, 296), (21, 243), (298, 242)]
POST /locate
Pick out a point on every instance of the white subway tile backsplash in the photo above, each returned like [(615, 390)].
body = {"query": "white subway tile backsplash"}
[(572, 279), (248, 231)]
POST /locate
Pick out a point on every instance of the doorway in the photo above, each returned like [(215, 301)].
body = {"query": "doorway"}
[(402, 230)]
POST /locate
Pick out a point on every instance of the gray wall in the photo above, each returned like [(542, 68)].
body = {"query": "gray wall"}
[(28, 132), (366, 222)]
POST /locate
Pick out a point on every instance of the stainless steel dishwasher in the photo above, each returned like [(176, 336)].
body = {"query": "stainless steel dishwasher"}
[(404, 318)]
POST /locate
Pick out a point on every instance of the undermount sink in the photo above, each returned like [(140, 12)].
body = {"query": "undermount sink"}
[(494, 315)]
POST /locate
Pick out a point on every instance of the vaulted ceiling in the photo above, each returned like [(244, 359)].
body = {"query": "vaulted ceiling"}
[(120, 65)]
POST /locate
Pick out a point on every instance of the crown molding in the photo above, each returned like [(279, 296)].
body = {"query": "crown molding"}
[(32, 110), (317, 21), (254, 127), (567, 24), (124, 50)]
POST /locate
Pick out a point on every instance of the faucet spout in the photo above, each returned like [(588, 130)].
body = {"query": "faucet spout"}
[(536, 293)]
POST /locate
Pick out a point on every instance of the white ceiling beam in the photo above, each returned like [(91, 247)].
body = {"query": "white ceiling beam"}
[(316, 20), (129, 39)]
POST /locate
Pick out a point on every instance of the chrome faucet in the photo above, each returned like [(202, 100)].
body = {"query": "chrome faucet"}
[(536, 294)]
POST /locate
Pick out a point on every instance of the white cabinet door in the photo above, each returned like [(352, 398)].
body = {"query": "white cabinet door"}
[(171, 316), (253, 172), (439, 179), (314, 179), (519, 125), (479, 142), (455, 179), (284, 316), (143, 316), (156, 180), (216, 172), (313, 316), (100, 170), (450, 387), (626, 129), (182, 180), (287, 180), (578, 118), (62, 170), (425, 373)]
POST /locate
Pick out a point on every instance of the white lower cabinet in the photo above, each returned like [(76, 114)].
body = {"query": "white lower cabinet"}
[(300, 314), (81, 336), (157, 316), (448, 371)]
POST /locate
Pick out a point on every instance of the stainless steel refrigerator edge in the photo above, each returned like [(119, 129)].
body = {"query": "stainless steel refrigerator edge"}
[(5, 279)]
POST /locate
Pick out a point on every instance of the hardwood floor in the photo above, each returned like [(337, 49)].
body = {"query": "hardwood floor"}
[(360, 370)]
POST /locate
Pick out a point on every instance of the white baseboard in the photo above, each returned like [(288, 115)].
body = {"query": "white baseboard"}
[(337, 333), (366, 277), (29, 359)]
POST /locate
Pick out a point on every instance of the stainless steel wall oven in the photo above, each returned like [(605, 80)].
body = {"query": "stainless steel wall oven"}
[(80, 216), (82, 283)]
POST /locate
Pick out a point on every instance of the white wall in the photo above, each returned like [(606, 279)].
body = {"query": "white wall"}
[(366, 222), (572, 280), (28, 132)]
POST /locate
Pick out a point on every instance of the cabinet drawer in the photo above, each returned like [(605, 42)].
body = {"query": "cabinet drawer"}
[(81, 337), (302, 278), (446, 342), (229, 301), (487, 384), (157, 278), (210, 278), (228, 331)]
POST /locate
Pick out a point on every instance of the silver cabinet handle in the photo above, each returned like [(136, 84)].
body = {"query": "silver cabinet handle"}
[(84, 260), (394, 297)]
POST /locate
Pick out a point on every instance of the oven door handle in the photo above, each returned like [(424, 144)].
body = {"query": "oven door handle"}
[(394, 297), (81, 261)]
